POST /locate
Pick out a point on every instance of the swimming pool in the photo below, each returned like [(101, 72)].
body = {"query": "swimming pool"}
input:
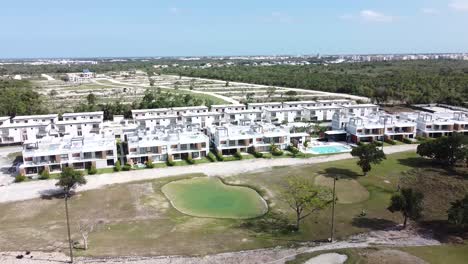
[(328, 149)]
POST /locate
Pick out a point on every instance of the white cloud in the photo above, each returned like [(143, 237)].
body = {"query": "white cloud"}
[(374, 16), (430, 11), (459, 5)]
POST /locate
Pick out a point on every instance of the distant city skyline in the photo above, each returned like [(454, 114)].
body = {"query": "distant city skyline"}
[(143, 28)]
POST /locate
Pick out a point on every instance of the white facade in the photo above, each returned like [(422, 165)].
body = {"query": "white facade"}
[(24, 128), (283, 115), (262, 106), (202, 120), (242, 116), (161, 144), (54, 153), (223, 108), (320, 113)]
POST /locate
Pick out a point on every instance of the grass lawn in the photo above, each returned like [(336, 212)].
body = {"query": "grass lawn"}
[(210, 197), (137, 218)]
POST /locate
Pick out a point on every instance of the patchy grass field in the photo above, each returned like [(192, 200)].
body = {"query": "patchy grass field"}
[(137, 219)]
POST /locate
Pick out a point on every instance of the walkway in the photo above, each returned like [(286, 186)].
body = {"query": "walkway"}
[(34, 189)]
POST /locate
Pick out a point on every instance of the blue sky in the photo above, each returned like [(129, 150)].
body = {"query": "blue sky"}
[(60, 28)]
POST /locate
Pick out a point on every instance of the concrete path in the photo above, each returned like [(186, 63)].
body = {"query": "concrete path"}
[(34, 189)]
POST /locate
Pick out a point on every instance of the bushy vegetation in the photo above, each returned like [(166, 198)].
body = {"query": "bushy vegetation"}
[(399, 81), (117, 166), (219, 156), (44, 175), (127, 167), (149, 164), (275, 150), (18, 98), (189, 159), (446, 150), (458, 212), (211, 157), (20, 178), (368, 154), (92, 170), (170, 161), (238, 155), (390, 141)]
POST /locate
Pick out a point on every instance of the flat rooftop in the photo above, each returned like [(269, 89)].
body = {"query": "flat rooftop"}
[(83, 114)]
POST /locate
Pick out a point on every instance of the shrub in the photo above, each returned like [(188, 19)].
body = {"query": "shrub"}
[(257, 154), (407, 141), (117, 166), (149, 164), (170, 161), (20, 178), (211, 157), (376, 143), (219, 156), (390, 141), (276, 151), (127, 167), (306, 144), (92, 170), (44, 175), (190, 160), (238, 155), (266, 155)]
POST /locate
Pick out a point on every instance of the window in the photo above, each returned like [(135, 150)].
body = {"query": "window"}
[(110, 153), (76, 155), (110, 162)]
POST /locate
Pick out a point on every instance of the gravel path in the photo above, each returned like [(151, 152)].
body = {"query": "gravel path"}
[(279, 255), (34, 189)]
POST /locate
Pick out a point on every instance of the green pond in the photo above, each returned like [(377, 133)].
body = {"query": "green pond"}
[(210, 197)]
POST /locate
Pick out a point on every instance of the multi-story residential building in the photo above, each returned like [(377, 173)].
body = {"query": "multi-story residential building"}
[(151, 122), (80, 124), (283, 115), (377, 126), (228, 139), (242, 116), (151, 112), (294, 104), (160, 144), (119, 126), (80, 77), (361, 109), (320, 113), (460, 125), (203, 120), (223, 108), (262, 106), (23, 128), (435, 124), (189, 109), (55, 153), (364, 130), (335, 102)]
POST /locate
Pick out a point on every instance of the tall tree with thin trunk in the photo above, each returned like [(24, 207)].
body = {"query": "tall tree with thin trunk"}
[(68, 181), (304, 197), (408, 202)]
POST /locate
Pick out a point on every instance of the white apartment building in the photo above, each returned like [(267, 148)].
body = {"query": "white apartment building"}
[(242, 116), (159, 145), (361, 109), (435, 125), (375, 127), (55, 153), (320, 113), (150, 122), (202, 120), (335, 102), (24, 128), (229, 139), (460, 120), (80, 124), (262, 106), (151, 112), (223, 108), (283, 115), (189, 109), (294, 104), (80, 77)]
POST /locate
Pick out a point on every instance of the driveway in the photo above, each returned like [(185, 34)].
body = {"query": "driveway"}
[(34, 189)]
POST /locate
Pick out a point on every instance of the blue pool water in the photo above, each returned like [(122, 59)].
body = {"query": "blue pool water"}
[(328, 149)]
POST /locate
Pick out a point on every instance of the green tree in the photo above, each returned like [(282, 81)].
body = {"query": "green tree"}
[(68, 181), (304, 197), (118, 166), (445, 150), (458, 212), (408, 202), (368, 154), (91, 99)]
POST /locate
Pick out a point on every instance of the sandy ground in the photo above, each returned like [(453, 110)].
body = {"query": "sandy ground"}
[(35, 189), (328, 258), (388, 238), (6, 163)]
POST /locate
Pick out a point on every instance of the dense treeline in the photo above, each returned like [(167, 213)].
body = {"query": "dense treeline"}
[(386, 82), (151, 99), (18, 98)]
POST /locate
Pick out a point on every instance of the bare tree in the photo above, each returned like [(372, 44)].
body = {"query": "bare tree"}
[(86, 227)]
